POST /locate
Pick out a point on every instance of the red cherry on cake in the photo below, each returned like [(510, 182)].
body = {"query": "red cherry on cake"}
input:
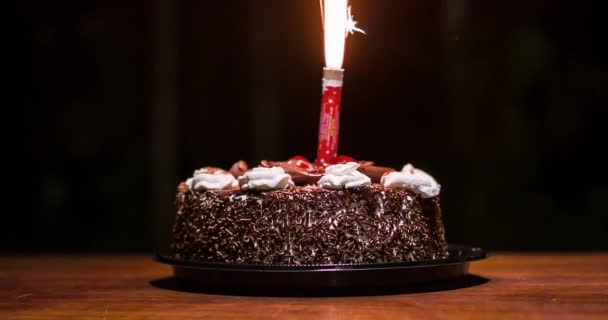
[(301, 162), (344, 159)]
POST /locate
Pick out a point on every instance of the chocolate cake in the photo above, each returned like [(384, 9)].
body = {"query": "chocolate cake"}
[(294, 213)]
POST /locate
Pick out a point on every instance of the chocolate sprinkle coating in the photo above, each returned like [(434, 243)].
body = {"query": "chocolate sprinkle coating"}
[(308, 225)]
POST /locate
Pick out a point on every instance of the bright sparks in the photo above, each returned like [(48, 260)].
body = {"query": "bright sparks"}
[(338, 22)]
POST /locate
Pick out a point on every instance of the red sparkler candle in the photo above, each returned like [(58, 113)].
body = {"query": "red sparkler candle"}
[(338, 22), (329, 124)]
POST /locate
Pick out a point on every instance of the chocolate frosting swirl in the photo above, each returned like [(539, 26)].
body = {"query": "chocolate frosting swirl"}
[(299, 175), (239, 168), (374, 172)]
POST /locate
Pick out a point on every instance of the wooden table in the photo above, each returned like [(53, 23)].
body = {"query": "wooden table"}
[(520, 286)]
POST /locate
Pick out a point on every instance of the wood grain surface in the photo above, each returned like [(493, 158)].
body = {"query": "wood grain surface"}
[(505, 286)]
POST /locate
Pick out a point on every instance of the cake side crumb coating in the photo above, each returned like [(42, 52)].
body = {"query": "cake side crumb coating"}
[(308, 225)]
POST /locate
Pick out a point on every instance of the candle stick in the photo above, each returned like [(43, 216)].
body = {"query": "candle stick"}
[(329, 124), (338, 22)]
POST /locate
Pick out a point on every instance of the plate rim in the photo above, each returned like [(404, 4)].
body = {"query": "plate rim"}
[(475, 254)]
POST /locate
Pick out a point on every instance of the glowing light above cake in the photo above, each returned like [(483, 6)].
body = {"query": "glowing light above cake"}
[(335, 16)]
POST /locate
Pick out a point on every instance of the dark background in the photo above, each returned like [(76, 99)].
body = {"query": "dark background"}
[(504, 102)]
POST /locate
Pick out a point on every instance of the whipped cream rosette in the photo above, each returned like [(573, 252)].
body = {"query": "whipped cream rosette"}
[(212, 179), (260, 178), (414, 180), (343, 176)]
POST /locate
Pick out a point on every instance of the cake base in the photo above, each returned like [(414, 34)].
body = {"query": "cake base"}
[(308, 226)]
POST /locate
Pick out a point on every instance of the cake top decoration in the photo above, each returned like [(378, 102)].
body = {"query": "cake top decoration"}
[(212, 179), (341, 176), (273, 178), (302, 172), (373, 171), (239, 168), (414, 180)]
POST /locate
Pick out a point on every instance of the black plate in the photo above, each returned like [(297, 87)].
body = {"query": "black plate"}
[(343, 276)]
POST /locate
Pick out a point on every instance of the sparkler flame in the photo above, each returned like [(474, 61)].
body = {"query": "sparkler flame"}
[(338, 22)]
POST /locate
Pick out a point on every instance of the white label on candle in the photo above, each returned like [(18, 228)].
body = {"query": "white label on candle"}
[(331, 83)]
